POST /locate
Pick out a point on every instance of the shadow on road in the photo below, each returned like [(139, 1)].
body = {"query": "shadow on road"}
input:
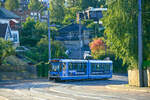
[(44, 83)]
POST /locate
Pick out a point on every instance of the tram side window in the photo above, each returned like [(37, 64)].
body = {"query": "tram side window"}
[(97, 67), (70, 66), (81, 67), (107, 68), (93, 67)]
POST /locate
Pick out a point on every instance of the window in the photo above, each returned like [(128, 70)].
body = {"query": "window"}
[(56, 67), (15, 38)]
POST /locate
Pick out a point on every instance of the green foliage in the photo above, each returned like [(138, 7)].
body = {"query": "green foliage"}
[(42, 69), (12, 4), (6, 49), (28, 29), (92, 3), (95, 27), (73, 3), (146, 30), (70, 14), (57, 49), (32, 32), (34, 5), (40, 54), (121, 30), (57, 10), (146, 64)]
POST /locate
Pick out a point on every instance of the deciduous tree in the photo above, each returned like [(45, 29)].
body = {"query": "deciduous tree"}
[(97, 47), (57, 10), (6, 49), (12, 4), (34, 5), (121, 30)]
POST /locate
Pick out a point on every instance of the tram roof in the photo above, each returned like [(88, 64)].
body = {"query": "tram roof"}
[(77, 60)]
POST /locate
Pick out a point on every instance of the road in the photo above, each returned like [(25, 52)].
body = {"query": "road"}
[(42, 89)]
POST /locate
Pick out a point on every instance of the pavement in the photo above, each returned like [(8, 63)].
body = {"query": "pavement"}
[(126, 87), (116, 88), (3, 98), (122, 87)]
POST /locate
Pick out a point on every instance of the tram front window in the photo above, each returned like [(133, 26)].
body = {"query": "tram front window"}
[(55, 67)]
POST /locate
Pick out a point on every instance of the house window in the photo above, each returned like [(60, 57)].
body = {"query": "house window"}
[(15, 37)]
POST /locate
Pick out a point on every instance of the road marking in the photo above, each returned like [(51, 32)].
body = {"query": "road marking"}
[(3, 98), (65, 98), (98, 98), (86, 95)]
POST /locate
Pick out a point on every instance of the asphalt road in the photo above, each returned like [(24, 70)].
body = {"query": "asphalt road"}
[(42, 89)]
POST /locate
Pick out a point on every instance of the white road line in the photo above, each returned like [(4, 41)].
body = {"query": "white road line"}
[(92, 97), (65, 98), (98, 98)]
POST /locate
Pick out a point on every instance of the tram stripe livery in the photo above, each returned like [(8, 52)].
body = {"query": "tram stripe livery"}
[(64, 69)]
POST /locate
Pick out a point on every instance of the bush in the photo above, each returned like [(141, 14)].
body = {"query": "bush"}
[(146, 64)]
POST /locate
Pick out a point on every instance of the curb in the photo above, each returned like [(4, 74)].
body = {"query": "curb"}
[(3, 98), (124, 88)]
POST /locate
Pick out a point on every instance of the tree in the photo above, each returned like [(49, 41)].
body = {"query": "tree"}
[(27, 33), (57, 10), (92, 3), (95, 27), (6, 49), (120, 22), (70, 14), (146, 31), (57, 49), (12, 4), (32, 32), (97, 47), (34, 5), (73, 3)]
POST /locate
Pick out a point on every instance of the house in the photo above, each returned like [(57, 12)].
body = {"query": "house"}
[(10, 25), (2, 2), (73, 40), (91, 13), (71, 33), (5, 32)]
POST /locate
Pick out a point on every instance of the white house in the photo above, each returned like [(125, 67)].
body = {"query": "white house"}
[(8, 29), (5, 32)]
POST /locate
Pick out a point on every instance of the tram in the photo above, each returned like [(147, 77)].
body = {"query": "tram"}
[(66, 69)]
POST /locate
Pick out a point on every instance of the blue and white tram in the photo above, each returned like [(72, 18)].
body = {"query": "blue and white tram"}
[(65, 69)]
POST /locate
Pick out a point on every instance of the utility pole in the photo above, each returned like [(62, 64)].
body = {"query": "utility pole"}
[(80, 34), (49, 32), (140, 55)]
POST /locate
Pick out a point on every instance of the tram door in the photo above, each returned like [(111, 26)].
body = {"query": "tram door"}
[(77, 69)]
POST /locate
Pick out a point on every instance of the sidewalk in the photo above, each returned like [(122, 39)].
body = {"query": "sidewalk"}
[(126, 87), (3, 98), (123, 87)]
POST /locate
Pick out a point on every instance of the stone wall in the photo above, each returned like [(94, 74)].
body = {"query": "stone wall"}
[(18, 72), (16, 75), (133, 77)]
